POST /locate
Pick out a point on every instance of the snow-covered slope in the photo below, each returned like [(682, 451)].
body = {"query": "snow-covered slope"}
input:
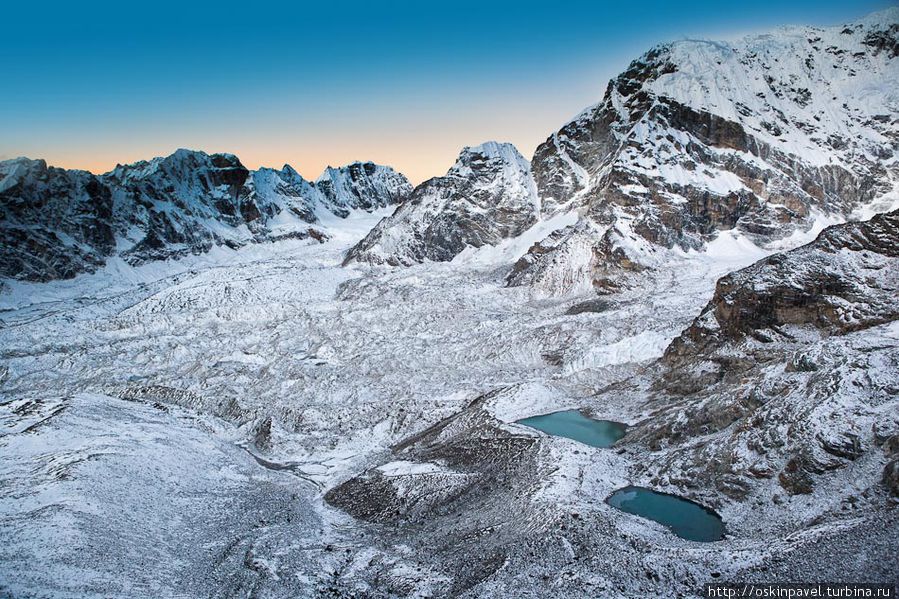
[(111, 498), (761, 135), (488, 195), (57, 223)]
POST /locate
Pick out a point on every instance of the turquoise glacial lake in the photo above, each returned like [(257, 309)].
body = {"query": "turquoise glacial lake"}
[(687, 519), (571, 424)]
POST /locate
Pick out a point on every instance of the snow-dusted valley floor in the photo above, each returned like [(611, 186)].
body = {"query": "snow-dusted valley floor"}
[(174, 430)]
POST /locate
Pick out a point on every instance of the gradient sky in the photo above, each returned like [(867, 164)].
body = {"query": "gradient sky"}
[(90, 84)]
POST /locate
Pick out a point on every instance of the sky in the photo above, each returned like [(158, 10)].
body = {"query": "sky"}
[(92, 84)]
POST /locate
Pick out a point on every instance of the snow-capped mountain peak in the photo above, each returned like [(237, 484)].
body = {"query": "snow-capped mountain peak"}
[(486, 196), (761, 135), (363, 185)]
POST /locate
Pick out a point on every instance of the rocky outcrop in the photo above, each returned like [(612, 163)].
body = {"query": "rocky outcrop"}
[(451, 488), (788, 374), (487, 196), (461, 457), (846, 280), (56, 223)]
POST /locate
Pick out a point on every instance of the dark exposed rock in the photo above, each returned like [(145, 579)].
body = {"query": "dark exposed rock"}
[(473, 454), (226, 408), (794, 479), (844, 445), (363, 185), (457, 506), (891, 446), (891, 477), (752, 376), (53, 222), (594, 305), (886, 40), (801, 363), (262, 434)]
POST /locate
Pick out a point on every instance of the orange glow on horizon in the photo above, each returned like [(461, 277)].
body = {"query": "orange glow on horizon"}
[(420, 143), (416, 159)]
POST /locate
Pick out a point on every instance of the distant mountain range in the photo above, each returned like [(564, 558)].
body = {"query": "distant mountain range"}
[(57, 223)]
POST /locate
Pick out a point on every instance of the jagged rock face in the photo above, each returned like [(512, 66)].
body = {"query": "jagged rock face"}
[(58, 223), (53, 222), (789, 373), (846, 280), (756, 135), (363, 185), (287, 189), (487, 196), (164, 201)]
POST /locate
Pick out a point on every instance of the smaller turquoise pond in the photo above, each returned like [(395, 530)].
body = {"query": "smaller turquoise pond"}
[(572, 424), (683, 517)]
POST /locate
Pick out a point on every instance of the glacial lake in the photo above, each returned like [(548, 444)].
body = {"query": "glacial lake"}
[(687, 519), (571, 424)]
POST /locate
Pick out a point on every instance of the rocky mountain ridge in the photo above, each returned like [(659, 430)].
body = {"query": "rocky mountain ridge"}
[(57, 223), (762, 136), (486, 196), (788, 375)]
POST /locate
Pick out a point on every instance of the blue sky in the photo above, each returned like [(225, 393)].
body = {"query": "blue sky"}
[(86, 85)]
